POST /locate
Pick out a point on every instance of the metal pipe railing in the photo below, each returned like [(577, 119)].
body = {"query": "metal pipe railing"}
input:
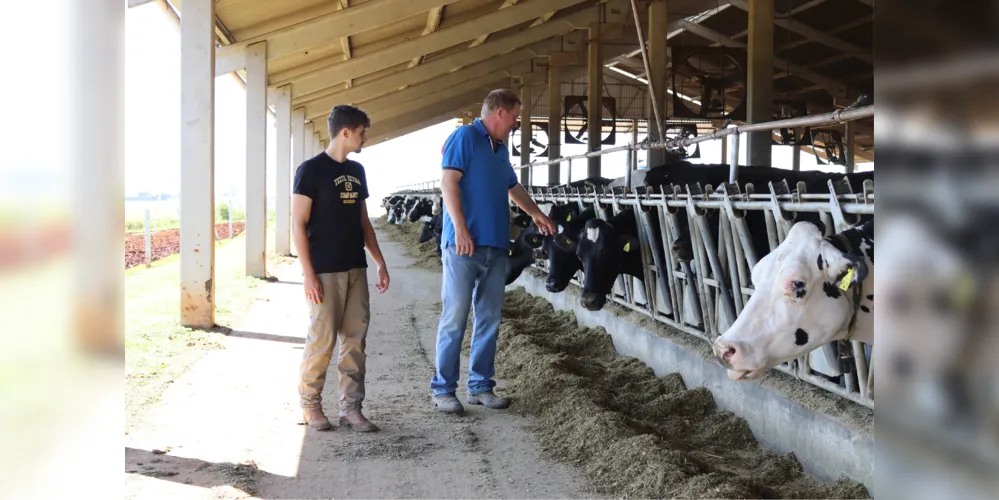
[(832, 118)]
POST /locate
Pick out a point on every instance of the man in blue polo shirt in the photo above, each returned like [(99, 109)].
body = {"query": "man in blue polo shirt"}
[(476, 182)]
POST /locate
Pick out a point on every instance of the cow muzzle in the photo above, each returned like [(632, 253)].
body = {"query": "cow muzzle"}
[(593, 301)]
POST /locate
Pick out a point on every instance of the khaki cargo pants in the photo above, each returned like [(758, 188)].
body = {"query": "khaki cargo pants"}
[(344, 313)]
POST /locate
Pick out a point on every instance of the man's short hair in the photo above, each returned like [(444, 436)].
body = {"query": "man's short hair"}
[(345, 116), (500, 98)]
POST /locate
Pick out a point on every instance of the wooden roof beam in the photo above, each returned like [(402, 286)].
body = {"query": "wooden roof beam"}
[(814, 34), (482, 39), (490, 69), (315, 81), (836, 30), (299, 38), (433, 22), (834, 87), (437, 69), (479, 86)]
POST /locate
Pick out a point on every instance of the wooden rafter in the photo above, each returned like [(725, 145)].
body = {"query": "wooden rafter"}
[(482, 39), (345, 41), (433, 22)]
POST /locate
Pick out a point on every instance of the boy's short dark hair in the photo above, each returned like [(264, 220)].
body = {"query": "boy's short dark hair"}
[(345, 116)]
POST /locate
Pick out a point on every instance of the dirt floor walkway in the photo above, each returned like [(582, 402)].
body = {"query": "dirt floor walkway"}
[(229, 427)]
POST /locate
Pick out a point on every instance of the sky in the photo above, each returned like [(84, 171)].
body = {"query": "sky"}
[(152, 136)]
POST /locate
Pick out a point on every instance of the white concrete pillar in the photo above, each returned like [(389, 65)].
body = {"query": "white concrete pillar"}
[(526, 110), (316, 143), (760, 89), (595, 93), (256, 160), (554, 121), (309, 140), (197, 164), (282, 187), (658, 59), (297, 141), (97, 120)]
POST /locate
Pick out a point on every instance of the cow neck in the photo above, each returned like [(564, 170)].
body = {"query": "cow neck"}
[(857, 296)]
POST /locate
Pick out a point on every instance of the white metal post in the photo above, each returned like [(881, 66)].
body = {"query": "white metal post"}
[(733, 157)]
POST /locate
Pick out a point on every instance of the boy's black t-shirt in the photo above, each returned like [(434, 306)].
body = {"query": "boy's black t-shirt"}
[(336, 240)]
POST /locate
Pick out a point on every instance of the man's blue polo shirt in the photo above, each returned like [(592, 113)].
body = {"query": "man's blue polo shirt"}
[(487, 177)]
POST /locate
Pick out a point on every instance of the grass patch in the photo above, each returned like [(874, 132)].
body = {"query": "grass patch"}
[(157, 348)]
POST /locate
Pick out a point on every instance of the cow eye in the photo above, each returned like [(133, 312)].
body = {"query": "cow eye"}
[(798, 284)]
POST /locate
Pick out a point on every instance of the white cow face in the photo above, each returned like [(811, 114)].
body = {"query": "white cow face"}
[(799, 302)]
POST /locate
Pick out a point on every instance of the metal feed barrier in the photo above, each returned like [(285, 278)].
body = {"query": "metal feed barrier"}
[(704, 298)]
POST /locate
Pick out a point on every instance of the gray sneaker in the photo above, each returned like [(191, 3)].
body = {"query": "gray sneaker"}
[(488, 399), (448, 403)]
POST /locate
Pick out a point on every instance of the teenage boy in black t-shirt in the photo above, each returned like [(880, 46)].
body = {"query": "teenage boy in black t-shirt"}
[(331, 232)]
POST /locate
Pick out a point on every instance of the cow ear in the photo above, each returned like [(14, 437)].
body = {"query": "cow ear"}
[(522, 220), (843, 269)]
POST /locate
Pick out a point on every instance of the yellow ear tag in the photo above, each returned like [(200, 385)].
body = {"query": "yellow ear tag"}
[(845, 282), (568, 217), (511, 251), (627, 247)]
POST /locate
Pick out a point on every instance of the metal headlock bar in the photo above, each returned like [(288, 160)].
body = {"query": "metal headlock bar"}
[(704, 296)]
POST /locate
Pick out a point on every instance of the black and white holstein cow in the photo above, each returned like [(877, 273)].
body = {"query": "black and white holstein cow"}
[(605, 249), (526, 240), (809, 291)]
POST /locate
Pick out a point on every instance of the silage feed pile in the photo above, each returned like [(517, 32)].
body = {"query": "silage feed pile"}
[(408, 234), (633, 434)]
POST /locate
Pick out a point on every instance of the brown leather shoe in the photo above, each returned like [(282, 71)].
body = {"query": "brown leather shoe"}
[(316, 419), (356, 420)]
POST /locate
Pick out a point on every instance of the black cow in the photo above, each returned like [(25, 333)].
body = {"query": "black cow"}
[(433, 226), (683, 173), (605, 249), (522, 253), (608, 249), (423, 207), (562, 260)]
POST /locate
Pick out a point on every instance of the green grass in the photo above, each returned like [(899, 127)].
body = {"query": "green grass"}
[(157, 348)]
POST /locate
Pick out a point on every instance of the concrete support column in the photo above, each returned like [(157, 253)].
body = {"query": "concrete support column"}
[(197, 164), (761, 80), (98, 182), (526, 110), (850, 132), (308, 140), (282, 187), (316, 142), (658, 59), (297, 141), (256, 160), (595, 93), (554, 121)]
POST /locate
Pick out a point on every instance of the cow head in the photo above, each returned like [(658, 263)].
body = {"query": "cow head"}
[(422, 208), (431, 228), (804, 297), (522, 254), (562, 260), (604, 254)]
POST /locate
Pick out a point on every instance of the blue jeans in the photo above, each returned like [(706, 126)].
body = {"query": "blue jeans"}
[(478, 280)]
